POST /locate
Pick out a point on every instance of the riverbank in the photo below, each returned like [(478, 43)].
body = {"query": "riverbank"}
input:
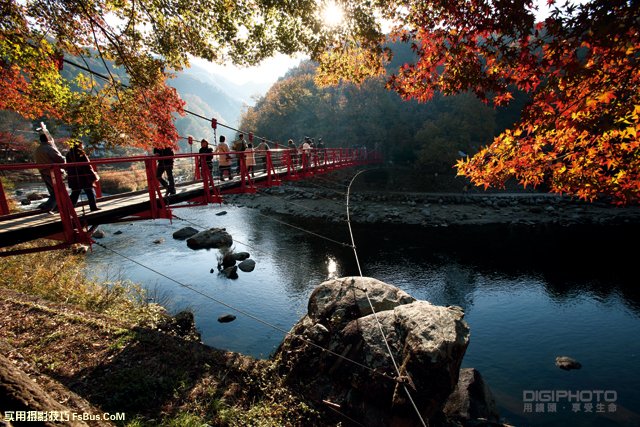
[(433, 209), (102, 355)]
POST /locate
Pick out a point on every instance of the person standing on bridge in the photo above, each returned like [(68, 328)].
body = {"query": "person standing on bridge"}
[(262, 149), (48, 153), (165, 166), (305, 152), (239, 145), (250, 158), (208, 160), (293, 152), (224, 158), (81, 178), (321, 150)]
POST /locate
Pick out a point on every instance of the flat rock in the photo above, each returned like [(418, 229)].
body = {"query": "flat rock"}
[(247, 265), (184, 233), (211, 238), (226, 318), (241, 256)]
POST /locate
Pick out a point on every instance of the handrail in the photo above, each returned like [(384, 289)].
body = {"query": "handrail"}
[(142, 158)]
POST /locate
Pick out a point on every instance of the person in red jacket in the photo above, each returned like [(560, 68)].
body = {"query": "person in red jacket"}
[(81, 178)]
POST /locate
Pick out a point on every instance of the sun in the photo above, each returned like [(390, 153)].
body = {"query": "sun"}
[(332, 14)]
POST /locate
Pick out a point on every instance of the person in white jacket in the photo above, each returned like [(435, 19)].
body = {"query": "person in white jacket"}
[(250, 158)]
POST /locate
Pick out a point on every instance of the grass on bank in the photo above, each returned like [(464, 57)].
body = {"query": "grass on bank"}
[(59, 276), (156, 379)]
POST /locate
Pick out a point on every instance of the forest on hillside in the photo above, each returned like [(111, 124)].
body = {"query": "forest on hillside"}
[(431, 135)]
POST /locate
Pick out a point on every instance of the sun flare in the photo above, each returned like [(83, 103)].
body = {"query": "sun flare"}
[(332, 14)]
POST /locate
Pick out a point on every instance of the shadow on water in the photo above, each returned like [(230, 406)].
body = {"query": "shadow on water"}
[(530, 294), (570, 260)]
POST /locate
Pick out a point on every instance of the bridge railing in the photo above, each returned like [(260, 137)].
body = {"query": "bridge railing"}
[(138, 174)]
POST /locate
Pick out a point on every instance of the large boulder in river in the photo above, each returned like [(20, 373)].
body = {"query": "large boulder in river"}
[(428, 343), (211, 238), (472, 400)]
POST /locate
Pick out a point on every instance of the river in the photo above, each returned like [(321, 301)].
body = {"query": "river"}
[(526, 302)]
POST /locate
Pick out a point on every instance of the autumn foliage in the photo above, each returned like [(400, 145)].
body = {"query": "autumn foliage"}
[(580, 133)]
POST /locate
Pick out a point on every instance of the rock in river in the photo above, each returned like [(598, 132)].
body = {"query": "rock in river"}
[(211, 238), (567, 363), (427, 341), (247, 265), (231, 272), (226, 318), (184, 233), (472, 400), (241, 256)]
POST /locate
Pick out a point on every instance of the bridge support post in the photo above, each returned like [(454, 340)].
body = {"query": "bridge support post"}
[(272, 176), (210, 193), (157, 206), (73, 230)]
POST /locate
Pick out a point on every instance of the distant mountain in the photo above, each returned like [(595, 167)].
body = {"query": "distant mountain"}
[(215, 96), (246, 93), (209, 94)]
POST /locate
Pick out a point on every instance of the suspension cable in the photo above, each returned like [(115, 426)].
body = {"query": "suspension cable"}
[(304, 230), (373, 311), (252, 316), (112, 80)]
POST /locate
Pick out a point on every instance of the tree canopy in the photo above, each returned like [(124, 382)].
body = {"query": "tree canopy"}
[(148, 39), (429, 136), (579, 134)]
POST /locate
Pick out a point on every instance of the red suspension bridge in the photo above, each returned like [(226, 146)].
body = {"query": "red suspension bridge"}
[(72, 225)]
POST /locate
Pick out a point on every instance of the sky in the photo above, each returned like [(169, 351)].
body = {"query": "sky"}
[(271, 69)]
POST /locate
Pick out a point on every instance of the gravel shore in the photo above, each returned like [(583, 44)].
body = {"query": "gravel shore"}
[(434, 209)]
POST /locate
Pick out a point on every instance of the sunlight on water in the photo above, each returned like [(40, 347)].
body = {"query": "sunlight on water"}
[(332, 268)]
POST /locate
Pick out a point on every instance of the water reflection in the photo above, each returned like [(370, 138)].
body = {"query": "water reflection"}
[(527, 299)]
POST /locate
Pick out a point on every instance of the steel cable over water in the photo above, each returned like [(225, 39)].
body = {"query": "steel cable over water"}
[(375, 316), (251, 316)]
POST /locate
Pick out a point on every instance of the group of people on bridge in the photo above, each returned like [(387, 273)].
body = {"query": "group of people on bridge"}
[(242, 150), (230, 160), (80, 178)]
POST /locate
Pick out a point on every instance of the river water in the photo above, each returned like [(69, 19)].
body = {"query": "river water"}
[(528, 297)]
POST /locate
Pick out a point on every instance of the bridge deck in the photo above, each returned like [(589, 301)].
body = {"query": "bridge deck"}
[(31, 225)]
